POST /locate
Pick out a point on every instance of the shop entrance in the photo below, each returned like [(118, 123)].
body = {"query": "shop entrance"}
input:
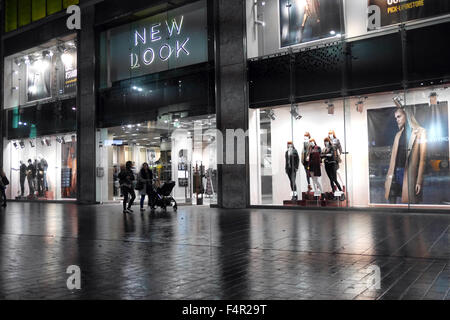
[(176, 148)]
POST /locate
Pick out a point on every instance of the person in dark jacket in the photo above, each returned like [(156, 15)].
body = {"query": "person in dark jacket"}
[(126, 178), (3, 187), (145, 179)]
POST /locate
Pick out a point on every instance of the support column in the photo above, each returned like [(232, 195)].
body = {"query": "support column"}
[(86, 108), (231, 97)]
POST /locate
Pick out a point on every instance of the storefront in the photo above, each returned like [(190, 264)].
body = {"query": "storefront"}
[(359, 117), (39, 148), (156, 104)]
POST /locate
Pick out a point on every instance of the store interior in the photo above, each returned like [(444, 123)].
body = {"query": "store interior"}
[(176, 146)]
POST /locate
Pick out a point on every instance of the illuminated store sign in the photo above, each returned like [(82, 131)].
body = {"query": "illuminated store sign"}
[(159, 48), (169, 40)]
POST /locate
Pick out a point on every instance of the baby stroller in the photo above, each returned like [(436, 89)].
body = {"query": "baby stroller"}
[(161, 197)]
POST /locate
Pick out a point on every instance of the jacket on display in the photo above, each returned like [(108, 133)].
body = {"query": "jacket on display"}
[(305, 153), (315, 160), (330, 154), (414, 166), (292, 160)]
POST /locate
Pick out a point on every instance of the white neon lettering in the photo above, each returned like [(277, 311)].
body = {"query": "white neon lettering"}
[(137, 35), (174, 25), (146, 61), (179, 48), (154, 33), (161, 52), (134, 64)]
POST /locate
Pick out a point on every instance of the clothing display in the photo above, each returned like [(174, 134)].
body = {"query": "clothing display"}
[(330, 157), (304, 162), (315, 160), (406, 170), (291, 167), (337, 145), (22, 175)]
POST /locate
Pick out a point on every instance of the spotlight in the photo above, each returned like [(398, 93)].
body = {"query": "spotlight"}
[(255, 14), (22, 144), (433, 99), (26, 60), (43, 141), (58, 139), (32, 143), (271, 115), (47, 53), (17, 62), (48, 142), (330, 107), (398, 101), (15, 145), (360, 104), (63, 140), (294, 112)]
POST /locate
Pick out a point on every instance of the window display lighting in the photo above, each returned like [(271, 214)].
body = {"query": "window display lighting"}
[(32, 143), (271, 115), (398, 101), (330, 107), (294, 112), (22, 144)]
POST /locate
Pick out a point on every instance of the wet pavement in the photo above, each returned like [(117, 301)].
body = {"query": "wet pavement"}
[(204, 253)]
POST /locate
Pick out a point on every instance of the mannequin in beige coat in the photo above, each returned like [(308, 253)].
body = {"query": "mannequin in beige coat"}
[(412, 184)]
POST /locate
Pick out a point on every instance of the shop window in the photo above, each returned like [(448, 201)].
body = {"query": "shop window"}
[(41, 74), (38, 9), (301, 155), (395, 151), (41, 168)]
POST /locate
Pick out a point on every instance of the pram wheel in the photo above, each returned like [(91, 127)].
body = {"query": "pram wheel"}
[(174, 205)]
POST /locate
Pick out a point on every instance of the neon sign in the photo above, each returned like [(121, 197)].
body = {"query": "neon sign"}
[(149, 42)]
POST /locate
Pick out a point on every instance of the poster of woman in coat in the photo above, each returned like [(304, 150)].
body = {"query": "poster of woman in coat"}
[(409, 154)]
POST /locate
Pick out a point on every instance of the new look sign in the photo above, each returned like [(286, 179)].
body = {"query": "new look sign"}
[(169, 40)]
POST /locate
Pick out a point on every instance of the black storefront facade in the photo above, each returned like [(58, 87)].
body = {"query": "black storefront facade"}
[(270, 69)]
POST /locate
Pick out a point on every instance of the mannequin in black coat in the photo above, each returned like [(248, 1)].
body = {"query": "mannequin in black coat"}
[(291, 167)]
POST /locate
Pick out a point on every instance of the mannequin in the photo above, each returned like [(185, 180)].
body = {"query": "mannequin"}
[(22, 175), (305, 152), (44, 165), (40, 179), (315, 160), (330, 156), (31, 174), (337, 145), (291, 167)]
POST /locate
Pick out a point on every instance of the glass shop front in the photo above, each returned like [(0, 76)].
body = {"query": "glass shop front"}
[(380, 150), (156, 105), (40, 145)]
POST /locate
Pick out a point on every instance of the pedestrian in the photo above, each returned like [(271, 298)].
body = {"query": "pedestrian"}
[(3, 183), (126, 178), (144, 184)]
